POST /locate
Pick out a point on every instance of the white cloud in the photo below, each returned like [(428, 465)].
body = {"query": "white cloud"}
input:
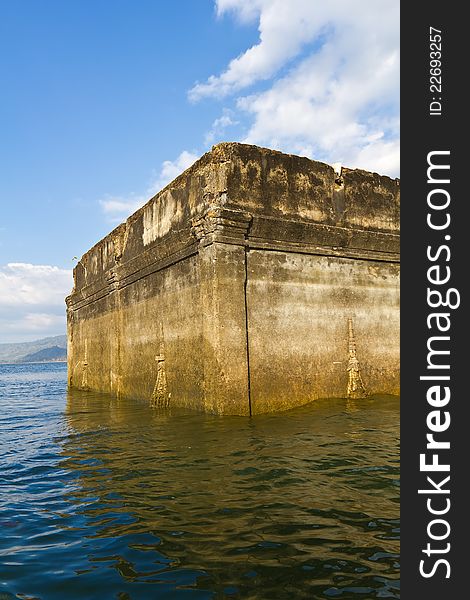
[(118, 208), (171, 169), (219, 127), (27, 284), (333, 71), (32, 301), (284, 27), (43, 322)]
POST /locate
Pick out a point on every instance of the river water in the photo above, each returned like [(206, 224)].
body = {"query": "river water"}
[(112, 499)]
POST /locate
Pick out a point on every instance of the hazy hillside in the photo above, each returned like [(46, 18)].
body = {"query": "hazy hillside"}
[(55, 353), (15, 352)]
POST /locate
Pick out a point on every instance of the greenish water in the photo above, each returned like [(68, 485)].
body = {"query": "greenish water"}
[(101, 498)]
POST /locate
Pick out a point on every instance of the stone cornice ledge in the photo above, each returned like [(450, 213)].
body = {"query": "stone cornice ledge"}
[(226, 226)]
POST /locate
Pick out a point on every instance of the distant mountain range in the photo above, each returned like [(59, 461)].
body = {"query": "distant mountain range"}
[(44, 350), (55, 353)]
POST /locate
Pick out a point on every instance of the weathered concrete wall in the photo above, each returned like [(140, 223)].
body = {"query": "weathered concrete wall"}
[(256, 281), (298, 311)]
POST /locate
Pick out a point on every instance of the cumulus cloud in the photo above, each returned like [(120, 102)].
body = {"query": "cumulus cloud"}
[(118, 208), (32, 301), (171, 169), (331, 79), (284, 28), (219, 127)]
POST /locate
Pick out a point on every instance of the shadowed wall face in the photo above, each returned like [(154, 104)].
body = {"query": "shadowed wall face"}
[(255, 282)]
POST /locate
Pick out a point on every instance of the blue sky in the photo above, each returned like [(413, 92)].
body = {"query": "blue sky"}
[(104, 101)]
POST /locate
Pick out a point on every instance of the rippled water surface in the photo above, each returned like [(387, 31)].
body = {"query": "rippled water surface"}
[(103, 498)]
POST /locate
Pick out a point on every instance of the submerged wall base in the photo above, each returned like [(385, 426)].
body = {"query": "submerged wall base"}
[(255, 282)]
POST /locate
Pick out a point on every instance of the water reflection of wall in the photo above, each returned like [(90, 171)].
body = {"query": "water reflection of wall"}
[(215, 493)]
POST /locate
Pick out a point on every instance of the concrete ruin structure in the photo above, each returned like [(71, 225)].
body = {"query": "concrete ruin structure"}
[(256, 281)]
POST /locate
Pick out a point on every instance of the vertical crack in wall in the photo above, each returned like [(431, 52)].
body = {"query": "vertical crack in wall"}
[(356, 388), (118, 367), (247, 331), (160, 395)]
